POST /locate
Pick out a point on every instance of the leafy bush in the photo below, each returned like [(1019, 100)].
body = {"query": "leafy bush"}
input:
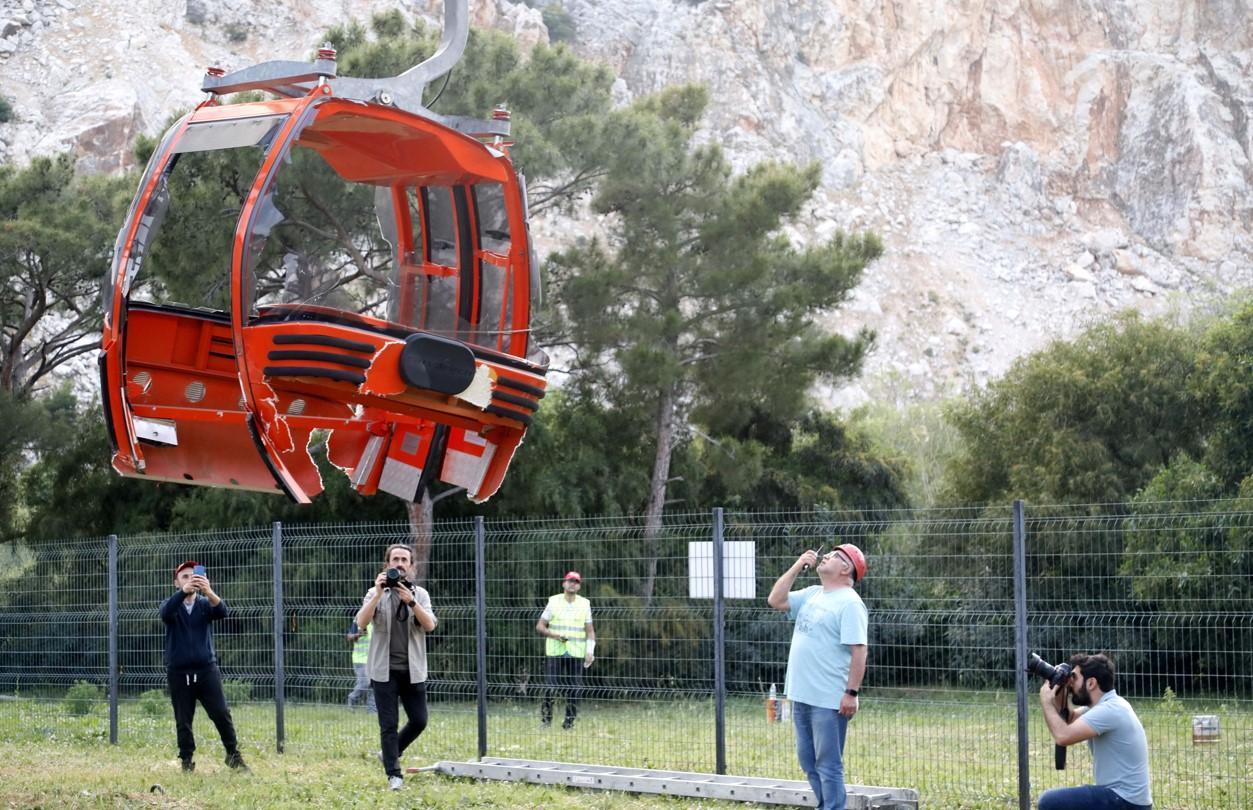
[(82, 697), (237, 691), (1171, 704), (154, 702), (559, 23)]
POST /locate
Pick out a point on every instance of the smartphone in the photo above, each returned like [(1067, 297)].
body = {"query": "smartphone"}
[(198, 570)]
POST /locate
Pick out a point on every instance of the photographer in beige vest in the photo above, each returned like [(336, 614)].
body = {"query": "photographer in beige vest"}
[(401, 614)]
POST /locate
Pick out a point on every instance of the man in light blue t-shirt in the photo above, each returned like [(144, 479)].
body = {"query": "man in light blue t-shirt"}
[(1120, 752), (825, 664)]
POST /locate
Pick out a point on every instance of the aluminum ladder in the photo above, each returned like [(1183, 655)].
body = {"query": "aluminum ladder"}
[(673, 783)]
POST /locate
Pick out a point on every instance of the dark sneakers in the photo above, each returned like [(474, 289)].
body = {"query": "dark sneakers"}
[(236, 762), (188, 765)]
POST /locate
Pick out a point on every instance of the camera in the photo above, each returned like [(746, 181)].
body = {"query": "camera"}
[(1055, 675), (394, 579)]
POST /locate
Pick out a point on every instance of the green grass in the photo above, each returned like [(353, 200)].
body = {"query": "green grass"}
[(959, 754)]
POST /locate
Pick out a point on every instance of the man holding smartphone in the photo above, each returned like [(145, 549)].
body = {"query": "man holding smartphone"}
[(191, 665)]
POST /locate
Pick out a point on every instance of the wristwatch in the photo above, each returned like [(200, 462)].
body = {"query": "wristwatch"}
[(852, 692)]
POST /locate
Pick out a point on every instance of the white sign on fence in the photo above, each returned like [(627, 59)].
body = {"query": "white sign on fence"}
[(739, 569)]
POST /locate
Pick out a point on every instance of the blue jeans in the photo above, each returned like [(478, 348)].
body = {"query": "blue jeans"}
[(820, 737), (1088, 797), (362, 687)]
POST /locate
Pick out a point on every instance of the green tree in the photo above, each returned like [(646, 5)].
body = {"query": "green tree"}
[(695, 305), (22, 424), (70, 489), (1224, 390), (574, 463), (55, 247), (1204, 556), (1085, 421), (919, 435), (813, 462), (557, 20), (561, 26), (1179, 563), (55, 238)]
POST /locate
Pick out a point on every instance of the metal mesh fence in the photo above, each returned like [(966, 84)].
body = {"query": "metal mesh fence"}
[(240, 565), (1166, 589), (56, 605)]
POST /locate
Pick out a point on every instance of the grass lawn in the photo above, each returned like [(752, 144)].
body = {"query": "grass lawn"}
[(959, 754)]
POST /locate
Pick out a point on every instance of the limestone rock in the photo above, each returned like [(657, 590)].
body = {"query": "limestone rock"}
[(1078, 272), (1125, 262), (1019, 172), (1104, 242)]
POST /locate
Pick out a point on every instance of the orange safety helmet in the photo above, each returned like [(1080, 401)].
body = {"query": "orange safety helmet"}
[(856, 558)]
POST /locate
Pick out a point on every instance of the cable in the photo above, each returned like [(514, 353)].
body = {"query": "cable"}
[(442, 88)]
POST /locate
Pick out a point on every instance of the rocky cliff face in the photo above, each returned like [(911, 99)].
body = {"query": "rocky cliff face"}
[(1032, 165)]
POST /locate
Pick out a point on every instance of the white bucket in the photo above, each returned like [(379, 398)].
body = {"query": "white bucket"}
[(1205, 729)]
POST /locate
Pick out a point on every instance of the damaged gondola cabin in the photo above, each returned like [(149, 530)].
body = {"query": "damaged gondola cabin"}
[(335, 258)]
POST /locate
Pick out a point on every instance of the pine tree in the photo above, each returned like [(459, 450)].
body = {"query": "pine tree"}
[(695, 304)]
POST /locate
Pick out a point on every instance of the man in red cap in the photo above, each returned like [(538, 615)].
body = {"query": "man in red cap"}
[(826, 663), (567, 624), (191, 664)]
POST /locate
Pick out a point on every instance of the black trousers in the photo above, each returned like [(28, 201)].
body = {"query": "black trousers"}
[(387, 694), (563, 676), (204, 685)]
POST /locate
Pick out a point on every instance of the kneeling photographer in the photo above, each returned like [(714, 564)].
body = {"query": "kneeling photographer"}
[(402, 616), (1120, 754)]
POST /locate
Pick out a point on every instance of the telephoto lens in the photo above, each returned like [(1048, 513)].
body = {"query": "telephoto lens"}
[(1055, 675)]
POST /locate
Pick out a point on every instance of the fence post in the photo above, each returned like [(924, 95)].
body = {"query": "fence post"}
[(480, 628), (279, 675), (1020, 651), (720, 659), (113, 627)]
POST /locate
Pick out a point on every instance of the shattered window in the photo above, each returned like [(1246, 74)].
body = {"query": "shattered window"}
[(186, 232)]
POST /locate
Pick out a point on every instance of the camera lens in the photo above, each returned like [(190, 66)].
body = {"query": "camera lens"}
[(1038, 666)]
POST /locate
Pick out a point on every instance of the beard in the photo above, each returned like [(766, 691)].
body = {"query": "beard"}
[(1081, 696)]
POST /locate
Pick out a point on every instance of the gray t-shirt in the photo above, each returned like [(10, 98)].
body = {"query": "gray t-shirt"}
[(398, 649), (1120, 752)]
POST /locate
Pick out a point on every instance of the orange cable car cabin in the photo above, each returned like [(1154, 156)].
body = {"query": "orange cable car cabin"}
[(337, 259)]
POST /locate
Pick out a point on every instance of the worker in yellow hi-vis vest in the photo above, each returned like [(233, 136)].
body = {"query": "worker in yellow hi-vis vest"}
[(360, 654), (567, 624)]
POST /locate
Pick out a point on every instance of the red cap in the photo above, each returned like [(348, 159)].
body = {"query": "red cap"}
[(574, 575), (187, 564)]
